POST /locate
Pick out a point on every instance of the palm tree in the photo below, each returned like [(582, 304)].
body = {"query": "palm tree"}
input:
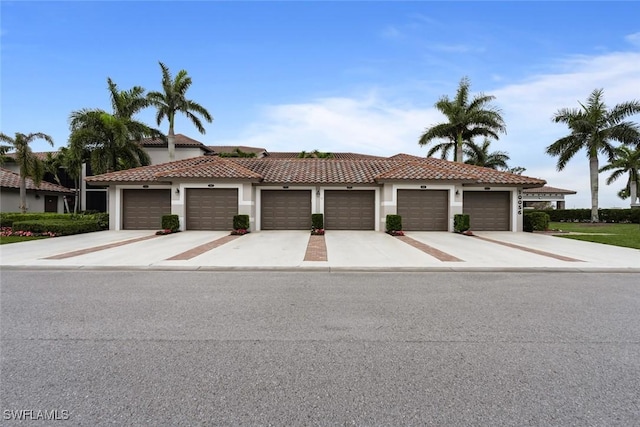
[(52, 164), (627, 161), (172, 100), (593, 127), (30, 165), (466, 120), (107, 140), (113, 140), (479, 155)]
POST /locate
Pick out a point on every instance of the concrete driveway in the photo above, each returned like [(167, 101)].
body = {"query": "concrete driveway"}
[(339, 250)]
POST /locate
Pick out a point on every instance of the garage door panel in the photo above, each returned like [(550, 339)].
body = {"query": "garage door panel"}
[(349, 209), (211, 208), (285, 210), (488, 211), (424, 210), (143, 209)]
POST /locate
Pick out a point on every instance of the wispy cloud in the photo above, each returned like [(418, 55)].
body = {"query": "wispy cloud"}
[(391, 32), (634, 39)]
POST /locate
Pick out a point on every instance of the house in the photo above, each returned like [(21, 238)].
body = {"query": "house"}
[(531, 196), (353, 192), (47, 197)]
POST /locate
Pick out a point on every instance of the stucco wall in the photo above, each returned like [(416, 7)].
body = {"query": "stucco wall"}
[(161, 154), (10, 201)]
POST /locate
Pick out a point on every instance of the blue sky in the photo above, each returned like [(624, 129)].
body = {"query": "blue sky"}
[(333, 76)]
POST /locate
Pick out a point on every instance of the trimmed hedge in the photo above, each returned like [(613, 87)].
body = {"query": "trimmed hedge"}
[(7, 218), (535, 221), (461, 223), (394, 223), (241, 222), (317, 221), (58, 227), (584, 215), (170, 222)]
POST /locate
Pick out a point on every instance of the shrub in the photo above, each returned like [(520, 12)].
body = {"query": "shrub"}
[(170, 222), (535, 221), (8, 218), (393, 223), (241, 222), (461, 222), (317, 221), (58, 227), (584, 215)]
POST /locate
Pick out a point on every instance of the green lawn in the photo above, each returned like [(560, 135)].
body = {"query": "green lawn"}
[(627, 235), (15, 239)]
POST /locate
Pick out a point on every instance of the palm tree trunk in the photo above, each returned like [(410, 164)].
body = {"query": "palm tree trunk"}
[(593, 174), (171, 144), (633, 192), (23, 194), (459, 149)]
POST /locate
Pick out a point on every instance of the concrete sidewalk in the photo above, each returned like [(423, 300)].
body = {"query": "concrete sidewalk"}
[(346, 250)]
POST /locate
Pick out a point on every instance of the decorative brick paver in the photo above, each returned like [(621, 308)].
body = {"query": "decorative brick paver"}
[(199, 250), (533, 251), (430, 250), (100, 248), (316, 249)]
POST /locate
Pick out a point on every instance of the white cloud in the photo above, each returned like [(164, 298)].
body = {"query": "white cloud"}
[(634, 38), (383, 125)]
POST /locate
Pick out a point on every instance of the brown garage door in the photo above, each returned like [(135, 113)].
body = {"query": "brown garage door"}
[(489, 211), (285, 209), (143, 209), (211, 208), (424, 210), (349, 209)]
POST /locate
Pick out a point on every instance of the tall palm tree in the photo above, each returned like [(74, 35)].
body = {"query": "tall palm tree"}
[(173, 100), (626, 162), (479, 155), (30, 165), (112, 140), (466, 120), (593, 127)]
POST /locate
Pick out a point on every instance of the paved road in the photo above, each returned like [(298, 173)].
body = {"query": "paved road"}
[(315, 348)]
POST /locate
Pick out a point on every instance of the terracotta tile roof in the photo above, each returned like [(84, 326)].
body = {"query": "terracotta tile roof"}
[(180, 141), (147, 173), (216, 167), (403, 156), (431, 168), (337, 156), (231, 148), (10, 179), (548, 189), (318, 171)]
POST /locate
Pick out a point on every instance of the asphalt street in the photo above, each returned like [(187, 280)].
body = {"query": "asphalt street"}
[(316, 348)]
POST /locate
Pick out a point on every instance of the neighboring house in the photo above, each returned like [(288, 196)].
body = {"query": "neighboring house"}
[(282, 193), (546, 193), (47, 197)]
